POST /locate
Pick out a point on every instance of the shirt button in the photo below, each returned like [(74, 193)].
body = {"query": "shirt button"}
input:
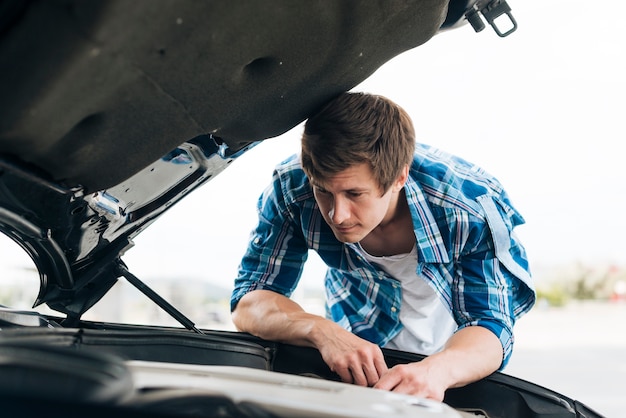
[(393, 309)]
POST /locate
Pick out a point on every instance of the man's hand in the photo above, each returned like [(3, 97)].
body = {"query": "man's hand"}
[(275, 317), (470, 354), (418, 379), (352, 358)]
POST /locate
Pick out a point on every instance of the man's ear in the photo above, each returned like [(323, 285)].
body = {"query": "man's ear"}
[(401, 180)]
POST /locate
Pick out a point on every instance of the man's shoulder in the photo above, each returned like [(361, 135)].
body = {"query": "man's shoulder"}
[(290, 171), (449, 181), (291, 180), (438, 171)]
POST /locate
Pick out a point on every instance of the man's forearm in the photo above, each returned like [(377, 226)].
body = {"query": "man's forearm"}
[(469, 355), (275, 317)]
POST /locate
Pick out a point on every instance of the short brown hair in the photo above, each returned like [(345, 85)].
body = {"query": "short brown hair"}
[(355, 128)]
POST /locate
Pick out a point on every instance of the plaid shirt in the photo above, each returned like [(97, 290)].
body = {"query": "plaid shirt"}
[(467, 250)]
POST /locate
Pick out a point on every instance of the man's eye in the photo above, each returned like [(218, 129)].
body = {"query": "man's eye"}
[(355, 194)]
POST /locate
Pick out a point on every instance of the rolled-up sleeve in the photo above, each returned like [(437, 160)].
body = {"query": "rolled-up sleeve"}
[(484, 297), (492, 281)]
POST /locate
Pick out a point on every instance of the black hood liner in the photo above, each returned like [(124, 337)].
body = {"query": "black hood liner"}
[(93, 91)]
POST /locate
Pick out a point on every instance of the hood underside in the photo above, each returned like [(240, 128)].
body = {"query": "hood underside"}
[(93, 91)]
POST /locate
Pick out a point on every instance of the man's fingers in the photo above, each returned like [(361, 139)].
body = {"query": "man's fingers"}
[(355, 360), (362, 375), (344, 373), (359, 376), (381, 366), (388, 381), (371, 374)]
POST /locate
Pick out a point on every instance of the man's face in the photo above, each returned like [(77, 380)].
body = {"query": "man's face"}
[(351, 202)]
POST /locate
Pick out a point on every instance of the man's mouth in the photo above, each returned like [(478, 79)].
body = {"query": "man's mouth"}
[(344, 229)]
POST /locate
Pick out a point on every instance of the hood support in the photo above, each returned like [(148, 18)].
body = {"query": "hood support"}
[(162, 303)]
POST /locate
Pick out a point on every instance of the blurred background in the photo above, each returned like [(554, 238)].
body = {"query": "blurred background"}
[(541, 109)]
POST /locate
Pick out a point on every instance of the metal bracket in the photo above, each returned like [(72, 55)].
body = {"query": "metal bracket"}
[(491, 10)]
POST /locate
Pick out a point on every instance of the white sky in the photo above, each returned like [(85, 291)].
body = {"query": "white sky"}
[(542, 110)]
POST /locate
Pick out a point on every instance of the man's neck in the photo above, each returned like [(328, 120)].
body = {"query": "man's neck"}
[(393, 236)]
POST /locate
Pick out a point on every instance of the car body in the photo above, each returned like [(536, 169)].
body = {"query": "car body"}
[(113, 111)]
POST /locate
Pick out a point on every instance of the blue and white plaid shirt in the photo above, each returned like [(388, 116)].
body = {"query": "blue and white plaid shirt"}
[(467, 250)]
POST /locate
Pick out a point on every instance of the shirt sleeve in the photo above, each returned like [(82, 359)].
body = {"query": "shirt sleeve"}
[(493, 281), (276, 250), (485, 298)]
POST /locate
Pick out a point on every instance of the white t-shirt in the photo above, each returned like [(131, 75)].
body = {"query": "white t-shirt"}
[(428, 324)]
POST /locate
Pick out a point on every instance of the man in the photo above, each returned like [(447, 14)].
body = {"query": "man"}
[(419, 246)]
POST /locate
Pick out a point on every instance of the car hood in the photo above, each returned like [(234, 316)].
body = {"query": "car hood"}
[(113, 111)]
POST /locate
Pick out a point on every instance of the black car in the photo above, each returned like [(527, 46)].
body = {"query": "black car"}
[(113, 111)]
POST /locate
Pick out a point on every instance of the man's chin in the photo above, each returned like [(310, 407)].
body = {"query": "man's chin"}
[(347, 238)]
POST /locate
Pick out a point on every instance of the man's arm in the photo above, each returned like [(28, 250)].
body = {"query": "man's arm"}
[(275, 317), (470, 354)]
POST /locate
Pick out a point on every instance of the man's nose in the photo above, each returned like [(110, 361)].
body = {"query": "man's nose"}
[(339, 211)]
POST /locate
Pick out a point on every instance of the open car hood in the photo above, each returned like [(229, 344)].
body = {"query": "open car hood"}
[(113, 111)]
